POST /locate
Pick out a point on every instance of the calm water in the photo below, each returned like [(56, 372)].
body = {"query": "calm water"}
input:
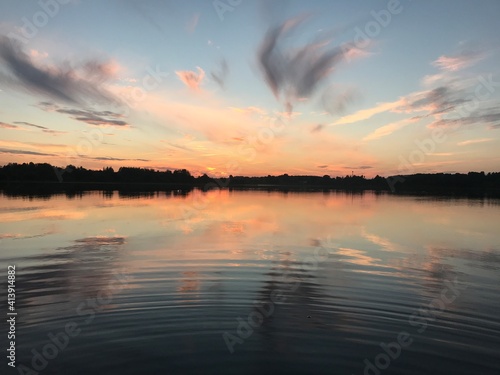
[(253, 283)]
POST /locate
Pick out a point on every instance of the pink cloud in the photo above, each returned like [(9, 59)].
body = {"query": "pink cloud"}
[(191, 79), (458, 62)]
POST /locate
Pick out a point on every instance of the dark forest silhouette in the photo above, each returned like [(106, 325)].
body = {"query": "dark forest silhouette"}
[(33, 176)]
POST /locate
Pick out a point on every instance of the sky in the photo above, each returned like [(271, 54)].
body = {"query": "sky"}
[(241, 87)]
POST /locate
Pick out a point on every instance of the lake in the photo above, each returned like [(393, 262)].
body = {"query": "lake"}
[(252, 282)]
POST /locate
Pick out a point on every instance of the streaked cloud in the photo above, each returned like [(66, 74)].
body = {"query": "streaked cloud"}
[(459, 61), (317, 128), (7, 126), (29, 124), (88, 116), (482, 117), (192, 23), (81, 85), (293, 73), (220, 75), (365, 114), (109, 158), (474, 141), (23, 152), (358, 167), (97, 118), (387, 129), (335, 99), (24, 123)]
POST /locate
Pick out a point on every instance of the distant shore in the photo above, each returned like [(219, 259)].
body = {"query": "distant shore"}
[(48, 188), (45, 179)]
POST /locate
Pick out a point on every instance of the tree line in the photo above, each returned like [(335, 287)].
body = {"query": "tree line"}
[(124, 176)]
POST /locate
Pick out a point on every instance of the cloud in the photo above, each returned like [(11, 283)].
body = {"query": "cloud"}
[(295, 72), (474, 141), (8, 126), (54, 132), (447, 105), (191, 79), (483, 116), (109, 158), (43, 128), (10, 235), (440, 153), (82, 85), (220, 76), (91, 117), (387, 129), (30, 124), (250, 110), (359, 167), (52, 147), (458, 62), (97, 118), (176, 145), (23, 152), (335, 100), (439, 100), (317, 128), (192, 23), (365, 114)]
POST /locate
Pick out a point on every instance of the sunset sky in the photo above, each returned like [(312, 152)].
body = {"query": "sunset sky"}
[(247, 87)]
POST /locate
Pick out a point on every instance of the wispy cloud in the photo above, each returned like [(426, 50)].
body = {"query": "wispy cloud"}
[(219, 76), (82, 85), (295, 72), (439, 100), (43, 128), (8, 126), (358, 167), (192, 23), (335, 100), (317, 128), (387, 129), (447, 105), (474, 141), (98, 118), (484, 116), (191, 79), (365, 114), (91, 117), (110, 158), (441, 153), (459, 61), (23, 152), (29, 124)]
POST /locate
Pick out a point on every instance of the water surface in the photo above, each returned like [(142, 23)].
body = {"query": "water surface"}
[(253, 282)]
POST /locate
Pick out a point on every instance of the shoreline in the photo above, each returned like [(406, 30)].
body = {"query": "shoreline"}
[(44, 188)]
